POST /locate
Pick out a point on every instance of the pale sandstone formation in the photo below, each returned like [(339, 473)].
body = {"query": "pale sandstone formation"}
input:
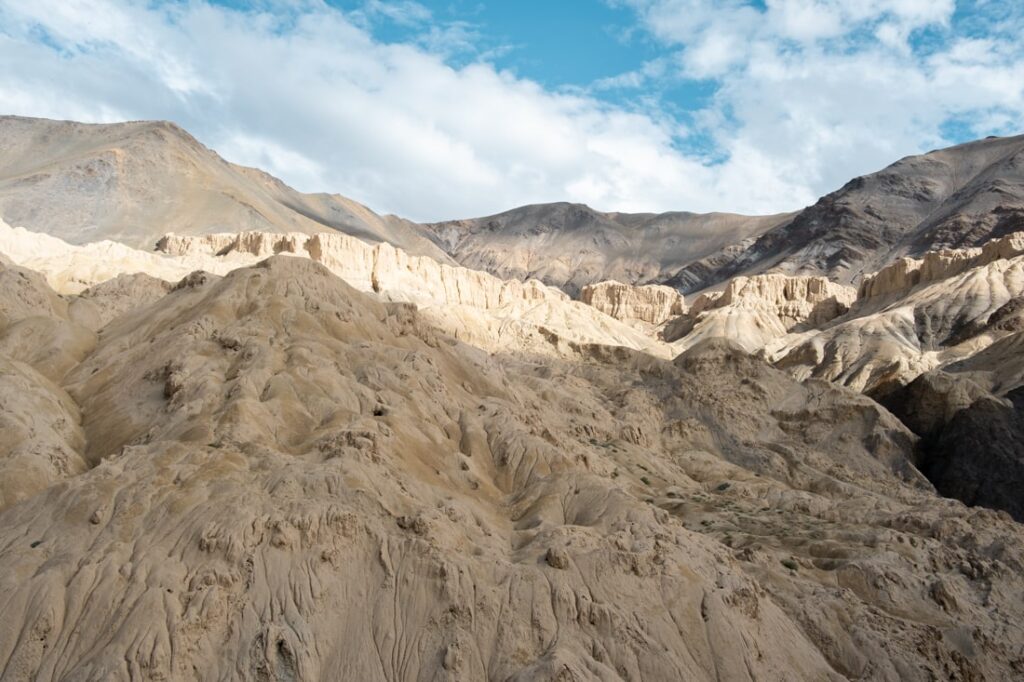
[(651, 304), (71, 269), (793, 299), (496, 314), (907, 273), (292, 480), (752, 311), (883, 343), (499, 315)]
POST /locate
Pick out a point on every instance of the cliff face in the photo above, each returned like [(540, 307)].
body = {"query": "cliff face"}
[(907, 273), (653, 304), (912, 319), (483, 310), (380, 268), (752, 311), (794, 299)]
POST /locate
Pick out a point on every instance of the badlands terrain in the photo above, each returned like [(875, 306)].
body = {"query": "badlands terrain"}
[(253, 434)]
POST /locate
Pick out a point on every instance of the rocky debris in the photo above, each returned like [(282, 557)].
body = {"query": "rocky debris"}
[(557, 557), (652, 304)]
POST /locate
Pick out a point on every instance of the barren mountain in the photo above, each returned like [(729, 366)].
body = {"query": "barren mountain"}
[(294, 453), (134, 182), (572, 245), (956, 197)]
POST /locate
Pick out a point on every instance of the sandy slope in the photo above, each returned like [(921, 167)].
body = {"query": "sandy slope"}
[(292, 480)]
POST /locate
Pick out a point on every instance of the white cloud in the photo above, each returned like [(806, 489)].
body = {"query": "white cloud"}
[(826, 89), (306, 92)]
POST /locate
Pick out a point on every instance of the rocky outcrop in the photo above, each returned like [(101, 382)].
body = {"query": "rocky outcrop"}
[(495, 314), (906, 273), (380, 268), (915, 319), (793, 299), (653, 304), (752, 311)]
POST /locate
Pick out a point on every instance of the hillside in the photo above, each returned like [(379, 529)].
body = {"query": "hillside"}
[(134, 182), (572, 245), (951, 198)]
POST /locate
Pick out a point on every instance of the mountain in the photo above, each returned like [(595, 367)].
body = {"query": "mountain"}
[(134, 182), (951, 198), (572, 245), (298, 454)]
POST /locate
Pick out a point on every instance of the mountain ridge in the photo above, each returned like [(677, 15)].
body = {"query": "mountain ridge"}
[(135, 181)]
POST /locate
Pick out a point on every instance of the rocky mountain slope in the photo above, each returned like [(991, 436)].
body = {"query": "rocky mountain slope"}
[(951, 198), (572, 245), (283, 478), (134, 182)]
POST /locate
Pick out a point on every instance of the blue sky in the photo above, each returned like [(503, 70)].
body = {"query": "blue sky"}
[(452, 108)]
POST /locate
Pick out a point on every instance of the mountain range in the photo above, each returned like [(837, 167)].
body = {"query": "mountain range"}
[(250, 433), (135, 182)]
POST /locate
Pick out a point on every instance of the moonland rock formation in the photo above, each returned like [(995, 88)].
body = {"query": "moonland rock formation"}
[(572, 245), (915, 316), (133, 182), (752, 311), (958, 197), (650, 304), (282, 478), (479, 308)]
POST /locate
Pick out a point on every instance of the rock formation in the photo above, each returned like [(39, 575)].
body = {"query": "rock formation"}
[(911, 319), (752, 311), (289, 479), (651, 304)]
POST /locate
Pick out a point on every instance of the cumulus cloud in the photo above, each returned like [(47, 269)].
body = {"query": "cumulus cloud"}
[(826, 89), (807, 94)]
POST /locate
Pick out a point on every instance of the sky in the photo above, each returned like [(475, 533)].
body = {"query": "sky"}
[(459, 108)]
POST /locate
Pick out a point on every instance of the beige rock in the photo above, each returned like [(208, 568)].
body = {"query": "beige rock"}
[(652, 304), (753, 311), (907, 273)]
